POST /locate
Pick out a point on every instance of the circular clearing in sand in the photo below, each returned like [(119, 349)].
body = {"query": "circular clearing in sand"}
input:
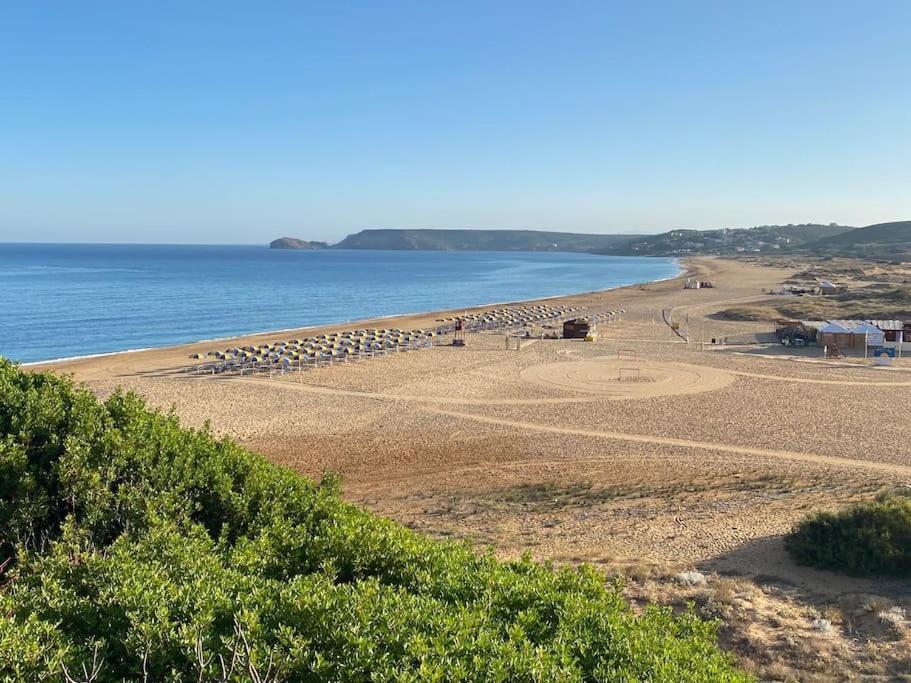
[(621, 379)]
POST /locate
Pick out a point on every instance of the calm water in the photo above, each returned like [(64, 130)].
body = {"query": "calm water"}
[(59, 301)]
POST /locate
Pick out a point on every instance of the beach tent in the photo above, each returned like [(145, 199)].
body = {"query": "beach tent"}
[(834, 334), (834, 328), (874, 335)]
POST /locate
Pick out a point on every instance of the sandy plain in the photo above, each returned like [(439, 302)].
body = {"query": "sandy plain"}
[(643, 452)]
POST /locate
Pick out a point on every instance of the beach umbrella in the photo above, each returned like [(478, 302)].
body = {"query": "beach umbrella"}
[(197, 356)]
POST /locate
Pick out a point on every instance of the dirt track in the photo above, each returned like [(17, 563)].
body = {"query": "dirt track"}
[(902, 470)]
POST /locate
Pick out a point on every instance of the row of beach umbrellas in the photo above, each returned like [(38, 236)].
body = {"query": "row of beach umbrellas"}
[(312, 351), (509, 317), (363, 343), (605, 316)]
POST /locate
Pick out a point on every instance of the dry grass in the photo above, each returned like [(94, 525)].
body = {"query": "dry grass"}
[(754, 313), (786, 633)]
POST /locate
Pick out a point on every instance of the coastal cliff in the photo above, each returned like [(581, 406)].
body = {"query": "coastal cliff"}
[(465, 240)]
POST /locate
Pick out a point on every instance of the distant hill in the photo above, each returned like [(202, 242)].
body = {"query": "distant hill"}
[(480, 240), (729, 241), (294, 243), (883, 240)]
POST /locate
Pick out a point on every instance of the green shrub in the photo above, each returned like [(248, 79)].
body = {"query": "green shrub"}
[(137, 549), (867, 539)]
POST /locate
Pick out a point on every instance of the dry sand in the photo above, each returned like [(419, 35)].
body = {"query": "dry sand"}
[(637, 450)]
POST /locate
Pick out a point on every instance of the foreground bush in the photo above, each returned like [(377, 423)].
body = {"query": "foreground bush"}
[(871, 538), (136, 549)]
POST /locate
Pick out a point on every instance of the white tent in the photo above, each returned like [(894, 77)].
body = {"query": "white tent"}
[(834, 328), (875, 336)]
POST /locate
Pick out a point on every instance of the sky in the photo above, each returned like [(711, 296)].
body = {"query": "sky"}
[(230, 122)]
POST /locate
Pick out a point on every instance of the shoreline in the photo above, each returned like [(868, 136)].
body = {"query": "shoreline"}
[(686, 266)]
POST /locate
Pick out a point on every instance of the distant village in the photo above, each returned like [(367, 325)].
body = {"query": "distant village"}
[(760, 239)]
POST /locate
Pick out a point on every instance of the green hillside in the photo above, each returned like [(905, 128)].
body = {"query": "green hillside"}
[(480, 240), (883, 240), (134, 549), (886, 240)]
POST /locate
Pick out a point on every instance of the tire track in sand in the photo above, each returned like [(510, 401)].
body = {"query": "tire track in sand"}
[(902, 470), (808, 380), (453, 400)]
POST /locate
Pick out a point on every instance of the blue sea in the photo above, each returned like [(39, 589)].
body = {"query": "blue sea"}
[(65, 300)]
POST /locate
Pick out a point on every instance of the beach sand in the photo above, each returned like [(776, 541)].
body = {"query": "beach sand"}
[(703, 462)]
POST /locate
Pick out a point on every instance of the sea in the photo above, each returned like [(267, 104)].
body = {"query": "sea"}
[(69, 300)]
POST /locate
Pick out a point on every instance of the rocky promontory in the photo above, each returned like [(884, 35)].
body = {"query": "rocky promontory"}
[(294, 243)]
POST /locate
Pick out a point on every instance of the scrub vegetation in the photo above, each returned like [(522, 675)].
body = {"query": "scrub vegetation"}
[(133, 548), (866, 539)]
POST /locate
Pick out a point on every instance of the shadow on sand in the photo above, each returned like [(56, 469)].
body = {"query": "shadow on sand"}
[(767, 562)]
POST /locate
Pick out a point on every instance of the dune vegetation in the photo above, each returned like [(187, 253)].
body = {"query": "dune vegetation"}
[(866, 539), (133, 548), (866, 303)]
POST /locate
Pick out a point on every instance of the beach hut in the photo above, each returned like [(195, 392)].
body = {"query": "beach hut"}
[(577, 328), (834, 334), (850, 334)]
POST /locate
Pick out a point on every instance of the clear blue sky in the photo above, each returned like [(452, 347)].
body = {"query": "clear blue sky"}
[(217, 122)]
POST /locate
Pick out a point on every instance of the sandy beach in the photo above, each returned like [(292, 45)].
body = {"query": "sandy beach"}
[(419, 421), (700, 459)]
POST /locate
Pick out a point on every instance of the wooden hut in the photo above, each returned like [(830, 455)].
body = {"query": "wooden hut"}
[(577, 328)]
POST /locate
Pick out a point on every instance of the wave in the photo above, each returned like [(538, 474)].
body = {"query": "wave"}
[(89, 355)]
